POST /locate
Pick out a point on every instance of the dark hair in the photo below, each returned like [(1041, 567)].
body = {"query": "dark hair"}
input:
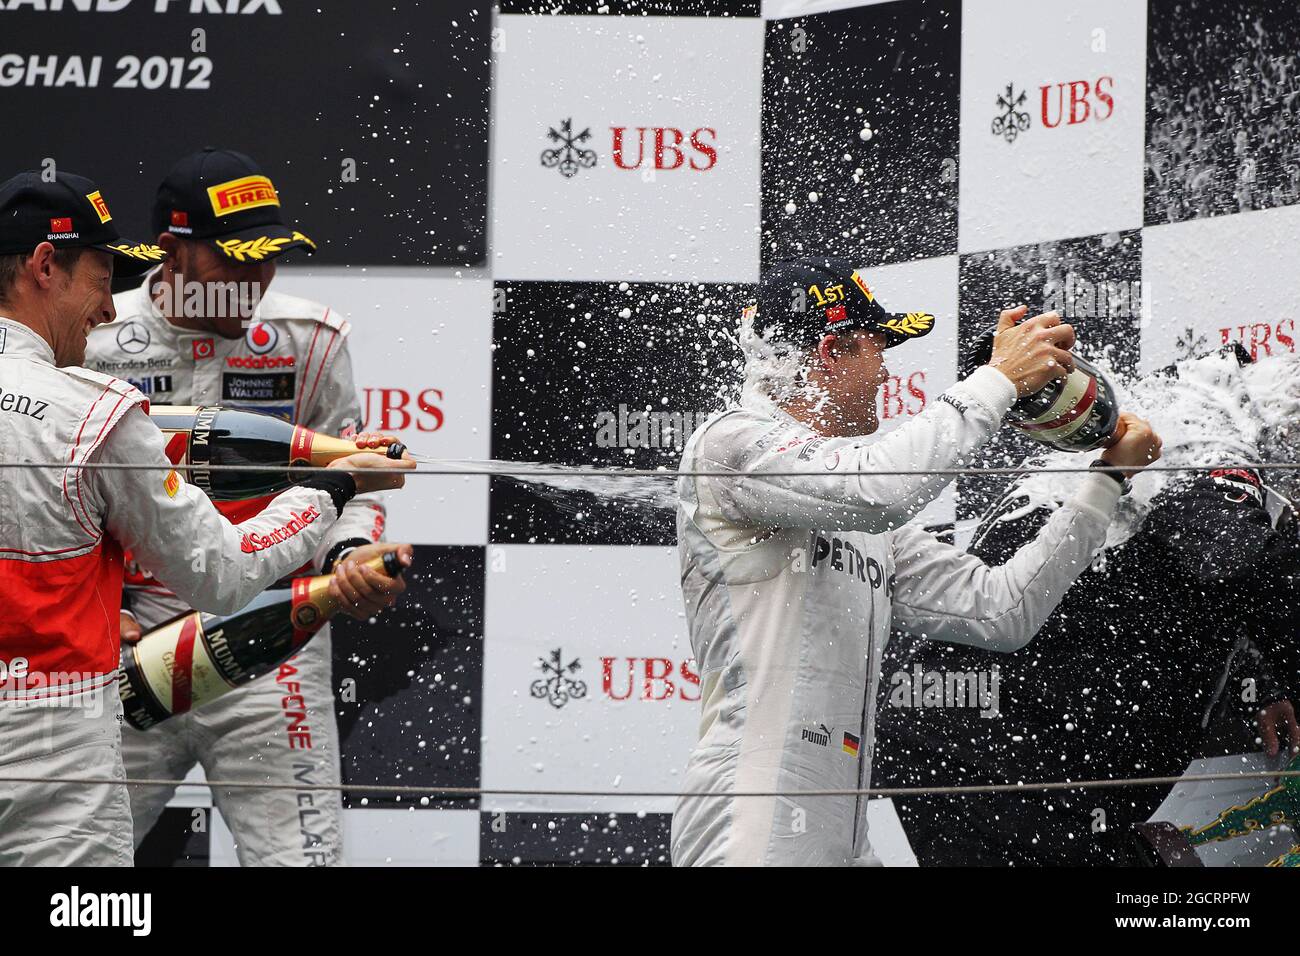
[(11, 267)]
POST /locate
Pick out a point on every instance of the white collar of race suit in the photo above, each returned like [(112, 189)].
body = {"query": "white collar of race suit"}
[(757, 400), (17, 339), (147, 304)]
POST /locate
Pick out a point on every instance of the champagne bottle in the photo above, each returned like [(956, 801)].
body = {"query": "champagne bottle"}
[(201, 436), (195, 658), (1076, 413)]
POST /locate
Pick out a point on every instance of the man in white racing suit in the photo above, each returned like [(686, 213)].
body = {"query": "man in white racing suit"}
[(63, 529), (797, 558), (279, 355)]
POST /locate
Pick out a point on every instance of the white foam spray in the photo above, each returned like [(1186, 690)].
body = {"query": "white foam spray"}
[(1211, 412)]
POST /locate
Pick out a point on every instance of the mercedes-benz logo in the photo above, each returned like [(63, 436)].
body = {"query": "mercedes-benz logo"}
[(133, 338)]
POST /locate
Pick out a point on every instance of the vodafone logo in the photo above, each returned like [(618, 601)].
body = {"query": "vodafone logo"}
[(253, 542), (260, 361), (201, 349), (261, 338)]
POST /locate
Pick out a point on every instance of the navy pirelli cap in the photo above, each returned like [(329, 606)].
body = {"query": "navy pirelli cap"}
[(68, 212), (223, 196), (805, 299)]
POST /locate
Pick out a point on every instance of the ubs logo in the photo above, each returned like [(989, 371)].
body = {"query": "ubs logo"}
[(650, 149), (622, 678), (568, 155), (1262, 337), (133, 338), (559, 682), (1076, 101), (1011, 121), (397, 409)]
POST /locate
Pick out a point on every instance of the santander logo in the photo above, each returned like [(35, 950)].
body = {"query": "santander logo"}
[(253, 542)]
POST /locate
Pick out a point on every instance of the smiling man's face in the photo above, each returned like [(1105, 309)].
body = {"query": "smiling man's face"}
[(82, 299)]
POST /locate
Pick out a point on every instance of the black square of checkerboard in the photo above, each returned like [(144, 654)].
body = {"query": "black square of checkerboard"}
[(860, 133), (409, 687), (606, 375)]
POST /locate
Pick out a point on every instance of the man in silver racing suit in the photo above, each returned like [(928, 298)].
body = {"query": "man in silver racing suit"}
[(797, 559), (290, 360)]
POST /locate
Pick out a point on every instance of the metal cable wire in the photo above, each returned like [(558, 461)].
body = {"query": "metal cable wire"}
[(655, 473), (479, 792), (407, 790)]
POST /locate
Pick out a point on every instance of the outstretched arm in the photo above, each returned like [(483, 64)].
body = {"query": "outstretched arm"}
[(795, 478), (177, 533), (946, 594)]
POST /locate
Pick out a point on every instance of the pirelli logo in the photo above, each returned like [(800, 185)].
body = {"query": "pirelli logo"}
[(861, 284), (247, 193), (101, 207)]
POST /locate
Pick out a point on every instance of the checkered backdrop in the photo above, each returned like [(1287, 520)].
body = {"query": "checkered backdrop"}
[(1133, 165)]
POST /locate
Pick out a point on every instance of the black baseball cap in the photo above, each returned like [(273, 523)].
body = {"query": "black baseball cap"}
[(224, 196), (805, 299), (68, 212)]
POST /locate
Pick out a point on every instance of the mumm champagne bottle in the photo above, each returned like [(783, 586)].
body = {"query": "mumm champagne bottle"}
[(195, 658), (198, 437)]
